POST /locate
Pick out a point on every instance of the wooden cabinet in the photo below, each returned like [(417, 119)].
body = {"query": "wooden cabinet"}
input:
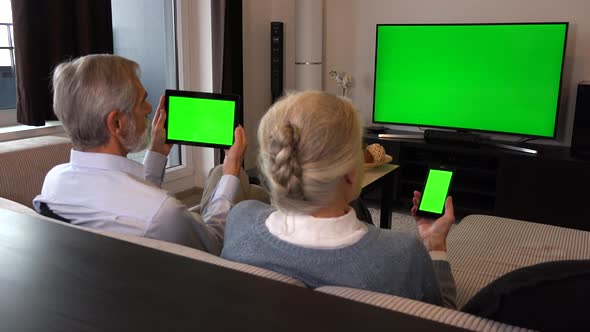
[(550, 187)]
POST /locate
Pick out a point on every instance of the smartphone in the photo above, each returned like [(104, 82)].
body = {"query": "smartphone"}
[(434, 194)]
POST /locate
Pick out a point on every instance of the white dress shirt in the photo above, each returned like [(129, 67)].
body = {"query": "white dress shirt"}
[(117, 194)]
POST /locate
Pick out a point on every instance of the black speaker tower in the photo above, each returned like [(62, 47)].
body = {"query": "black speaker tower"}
[(276, 60), (580, 147)]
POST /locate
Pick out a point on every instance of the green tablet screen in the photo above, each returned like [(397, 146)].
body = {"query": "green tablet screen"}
[(203, 121)]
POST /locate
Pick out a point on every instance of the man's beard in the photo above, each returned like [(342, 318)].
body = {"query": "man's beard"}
[(133, 142)]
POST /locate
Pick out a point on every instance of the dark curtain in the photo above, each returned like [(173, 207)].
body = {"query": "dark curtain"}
[(228, 68), (47, 32), (217, 31)]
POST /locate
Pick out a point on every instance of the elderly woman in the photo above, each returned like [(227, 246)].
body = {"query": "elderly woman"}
[(311, 157)]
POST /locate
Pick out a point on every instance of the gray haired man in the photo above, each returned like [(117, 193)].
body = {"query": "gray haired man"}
[(103, 107)]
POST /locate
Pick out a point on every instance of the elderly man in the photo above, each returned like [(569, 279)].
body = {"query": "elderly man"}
[(103, 107)]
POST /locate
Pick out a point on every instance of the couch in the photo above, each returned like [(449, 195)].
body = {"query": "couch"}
[(481, 248)]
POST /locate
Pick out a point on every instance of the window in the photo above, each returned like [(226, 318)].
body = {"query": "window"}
[(7, 69), (144, 31)]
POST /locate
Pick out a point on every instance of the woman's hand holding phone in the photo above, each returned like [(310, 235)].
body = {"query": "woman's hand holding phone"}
[(434, 232)]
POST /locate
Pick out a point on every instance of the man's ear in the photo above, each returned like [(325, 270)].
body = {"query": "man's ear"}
[(115, 122)]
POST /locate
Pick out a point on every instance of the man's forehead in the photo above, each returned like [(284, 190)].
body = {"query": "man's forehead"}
[(140, 89)]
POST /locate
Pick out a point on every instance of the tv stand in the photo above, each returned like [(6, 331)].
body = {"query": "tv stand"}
[(502, 178)]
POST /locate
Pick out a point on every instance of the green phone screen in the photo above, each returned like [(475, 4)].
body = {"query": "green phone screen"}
[(435, 191), (201, 120)]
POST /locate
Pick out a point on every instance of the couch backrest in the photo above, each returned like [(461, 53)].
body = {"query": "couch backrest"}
[(390, 302), (200, 256), (24, 164), (482, 248), (420, 309), (163, 246)]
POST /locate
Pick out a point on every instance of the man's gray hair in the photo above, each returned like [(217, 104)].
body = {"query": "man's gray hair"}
[(87, 89)]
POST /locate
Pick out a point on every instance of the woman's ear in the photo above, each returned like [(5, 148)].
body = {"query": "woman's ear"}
[(353, 181), (350, 177), (349, 186)]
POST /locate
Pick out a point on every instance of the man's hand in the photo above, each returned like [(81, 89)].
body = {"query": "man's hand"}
[(235, 155), (158, 139), (434, 232)]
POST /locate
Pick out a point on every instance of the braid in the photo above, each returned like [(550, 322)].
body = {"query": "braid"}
[(285, 164), (308, 142)]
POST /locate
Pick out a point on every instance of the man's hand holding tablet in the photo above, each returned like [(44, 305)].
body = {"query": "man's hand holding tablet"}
[(158, 136), (235, 155)]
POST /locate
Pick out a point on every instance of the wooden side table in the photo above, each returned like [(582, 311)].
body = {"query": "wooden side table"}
[(382, 176)]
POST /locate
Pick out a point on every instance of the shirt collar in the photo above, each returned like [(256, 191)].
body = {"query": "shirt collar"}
[(106, 161), (309, 231)]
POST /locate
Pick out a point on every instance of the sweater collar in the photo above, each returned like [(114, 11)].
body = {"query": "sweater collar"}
[(318, 233)]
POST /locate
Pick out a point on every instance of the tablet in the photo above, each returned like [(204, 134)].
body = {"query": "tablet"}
[(201, 118)]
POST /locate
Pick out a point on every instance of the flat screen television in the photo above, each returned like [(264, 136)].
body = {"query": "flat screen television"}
[(496, 77)]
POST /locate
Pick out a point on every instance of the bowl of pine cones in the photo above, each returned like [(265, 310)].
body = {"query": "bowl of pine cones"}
[(375, 156)]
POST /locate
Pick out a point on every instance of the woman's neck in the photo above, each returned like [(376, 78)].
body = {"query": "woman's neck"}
[(332, 211), (339, 204)]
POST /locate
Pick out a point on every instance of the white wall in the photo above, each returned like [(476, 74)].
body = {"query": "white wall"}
[(284, 11), (349, 42), (257, 15), (350, 37), (257, 98)]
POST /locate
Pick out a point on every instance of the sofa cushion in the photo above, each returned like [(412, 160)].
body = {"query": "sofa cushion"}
[(25, 162), (419, 309), (550, 296), (482, 248)]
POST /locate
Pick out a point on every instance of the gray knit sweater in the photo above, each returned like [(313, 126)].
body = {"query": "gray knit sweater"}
[(383, 260)]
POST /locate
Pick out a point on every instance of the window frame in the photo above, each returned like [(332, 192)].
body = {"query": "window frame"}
[(10, 43), (195, 72), (8, 116)]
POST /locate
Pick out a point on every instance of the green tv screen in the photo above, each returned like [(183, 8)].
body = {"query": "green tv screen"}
[(486, 77), (201, 119)]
